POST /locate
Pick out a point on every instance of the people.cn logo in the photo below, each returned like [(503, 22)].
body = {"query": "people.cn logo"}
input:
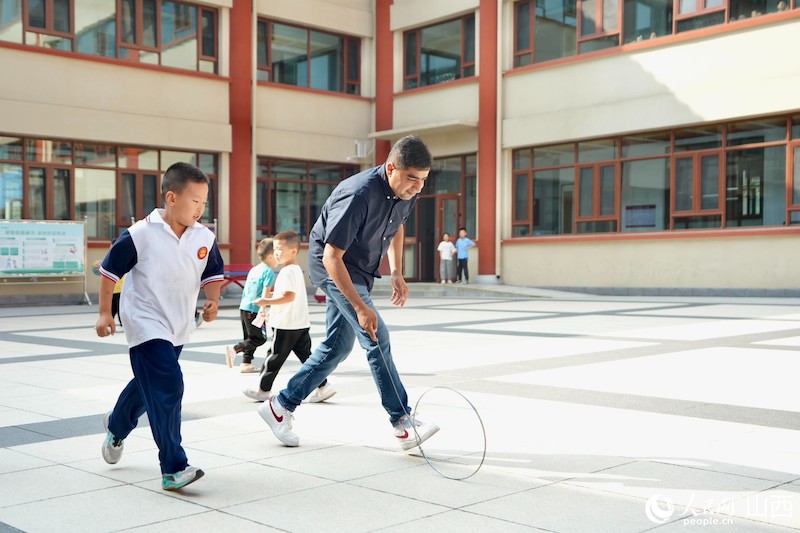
[(659, 509)]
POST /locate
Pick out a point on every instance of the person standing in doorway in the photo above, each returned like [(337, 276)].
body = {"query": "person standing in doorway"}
[(446, 251), (463, 244)]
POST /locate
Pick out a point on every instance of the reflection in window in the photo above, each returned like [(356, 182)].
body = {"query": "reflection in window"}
[(554, 32), (95, 199), (11, 21), (97, 33), (645, 195), (756, 187), (178, 35), (61, 194), (36, 194), (10, 191), (646, 19), (553, 201)]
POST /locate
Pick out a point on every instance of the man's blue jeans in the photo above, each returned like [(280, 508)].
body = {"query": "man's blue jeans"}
[(342, 328)]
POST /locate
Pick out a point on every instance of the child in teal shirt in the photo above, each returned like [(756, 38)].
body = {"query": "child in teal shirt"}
[(260, 280)]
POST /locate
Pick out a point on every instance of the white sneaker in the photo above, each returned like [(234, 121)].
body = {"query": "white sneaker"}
[(178, 480), (112, 446), (279, 419), (256, 394), (412, 436), (247, 368), (443, 282), (321, 394), (230, 356)]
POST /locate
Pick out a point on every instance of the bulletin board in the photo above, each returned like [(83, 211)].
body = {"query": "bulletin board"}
[(35, 251)]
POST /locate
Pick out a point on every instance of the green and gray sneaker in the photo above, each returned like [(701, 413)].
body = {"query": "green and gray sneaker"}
[(178, 480), (112, 446)]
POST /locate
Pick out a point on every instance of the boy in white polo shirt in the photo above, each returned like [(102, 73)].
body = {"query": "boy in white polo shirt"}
[(167, 257)]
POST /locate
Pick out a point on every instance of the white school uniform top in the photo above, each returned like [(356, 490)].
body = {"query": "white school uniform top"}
[(293, 315), (165, 273)]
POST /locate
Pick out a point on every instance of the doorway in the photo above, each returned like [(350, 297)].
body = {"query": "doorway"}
[(435, 215)]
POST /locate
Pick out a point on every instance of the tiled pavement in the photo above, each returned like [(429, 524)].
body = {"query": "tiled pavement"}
[(616, 414)]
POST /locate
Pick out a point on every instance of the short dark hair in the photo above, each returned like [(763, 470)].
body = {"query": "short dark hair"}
[(264, 248), (410, 152), (462, 228), (291, 238), (178, 175)]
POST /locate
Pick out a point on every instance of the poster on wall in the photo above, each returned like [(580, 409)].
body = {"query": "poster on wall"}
[(33, 248)]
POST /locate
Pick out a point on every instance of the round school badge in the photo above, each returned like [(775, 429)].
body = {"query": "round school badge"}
[(202, 253)]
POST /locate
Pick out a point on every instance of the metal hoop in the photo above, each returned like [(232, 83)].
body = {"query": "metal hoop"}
[(483, 430)]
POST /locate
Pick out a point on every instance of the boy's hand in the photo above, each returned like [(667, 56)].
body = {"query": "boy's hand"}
[(210, 310), (260, 302), (105, 325)]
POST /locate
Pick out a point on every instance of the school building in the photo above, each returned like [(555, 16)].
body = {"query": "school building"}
[(606, 145)]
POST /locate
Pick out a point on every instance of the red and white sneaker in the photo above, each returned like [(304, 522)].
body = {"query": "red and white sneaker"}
[(411, 431), (279, 419)]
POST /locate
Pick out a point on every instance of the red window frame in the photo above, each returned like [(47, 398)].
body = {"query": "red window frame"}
[(49, 189), (49, 28), (697, 183), (201, 35), (417, 34), (596, 215), (138, 37), (520, 53)]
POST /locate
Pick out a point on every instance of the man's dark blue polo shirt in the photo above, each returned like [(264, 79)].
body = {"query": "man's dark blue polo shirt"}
[(361, 216)]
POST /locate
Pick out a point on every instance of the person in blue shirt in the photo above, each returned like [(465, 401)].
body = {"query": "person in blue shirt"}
[(463, 243), (360, 222), (166, 258), (260, 280)]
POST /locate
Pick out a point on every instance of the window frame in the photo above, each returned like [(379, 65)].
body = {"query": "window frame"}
[(49, 189), (596, 216), (49, 28), (347, 40), (793, 180), (697, 183), (136, 47), (417, 33)]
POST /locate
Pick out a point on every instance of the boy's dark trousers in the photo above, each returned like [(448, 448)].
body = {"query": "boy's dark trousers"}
[(462, 266), (253, 336), (157, 388), (284, 342)]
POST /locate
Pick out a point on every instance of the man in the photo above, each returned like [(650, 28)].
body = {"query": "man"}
[(361, 221)]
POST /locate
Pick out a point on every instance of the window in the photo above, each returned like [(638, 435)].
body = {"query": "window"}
[(158, 32), (544, 30), (290, 194), (741, 174), (440, 53), (646, 19), (599, 25), (45, 179), (645, 184), (49, 23), (308, 58)]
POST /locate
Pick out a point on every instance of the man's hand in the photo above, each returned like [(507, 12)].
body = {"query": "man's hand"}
[(368, 319), (210, 310), (105, 325), (399, 290)]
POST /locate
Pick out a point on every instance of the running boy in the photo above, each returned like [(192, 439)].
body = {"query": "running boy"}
[(288, 318), (167, 257), (259, 281)]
